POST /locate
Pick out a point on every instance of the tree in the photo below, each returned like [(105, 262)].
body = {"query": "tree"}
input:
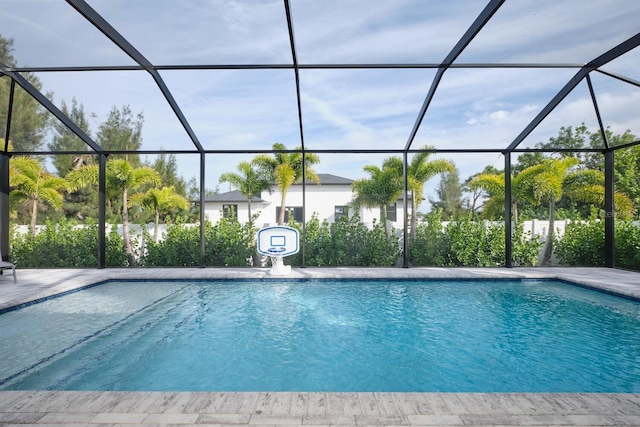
[(6, 47), (570, 138), (477, 192), (450, 200), (121, 178), (30, 120), (627, 171), (167, 167), (249, 181), (626, 167), (587, 185), (383, 186), (419, 170), (122, 132), (285, 169), (78, 204), (548, 182), (160, 201), (545, 183), (65, 140), (493, 184), (31, 183)]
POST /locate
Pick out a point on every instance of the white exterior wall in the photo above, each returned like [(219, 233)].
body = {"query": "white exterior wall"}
[(213, 210), (320, 199)]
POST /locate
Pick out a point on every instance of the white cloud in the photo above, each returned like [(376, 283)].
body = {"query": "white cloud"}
[(355, 109), (553, 31)]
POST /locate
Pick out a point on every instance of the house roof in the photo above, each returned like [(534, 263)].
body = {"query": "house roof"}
[(329, 179), (237, 196), (231, 196)]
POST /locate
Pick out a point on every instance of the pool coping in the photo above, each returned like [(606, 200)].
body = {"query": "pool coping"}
[(269, 408)]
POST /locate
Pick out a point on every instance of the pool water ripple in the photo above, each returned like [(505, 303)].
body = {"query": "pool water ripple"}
[(452, 336)]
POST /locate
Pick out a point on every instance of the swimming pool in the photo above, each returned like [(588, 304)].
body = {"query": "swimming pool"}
[(325, 335)]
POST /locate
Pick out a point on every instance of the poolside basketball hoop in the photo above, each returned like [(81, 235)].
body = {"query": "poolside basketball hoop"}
[(278, 242)]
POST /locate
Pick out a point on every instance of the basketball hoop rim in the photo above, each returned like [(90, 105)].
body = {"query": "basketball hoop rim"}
[(276, 251)]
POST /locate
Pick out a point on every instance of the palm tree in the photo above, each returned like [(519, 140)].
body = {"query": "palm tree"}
[(383, 186), (249, 181), (545, 183), (587, 185), (159, 200), (493, 184), (30, 182), (539, 183), (285, 169), (419, 171), (121, 178)]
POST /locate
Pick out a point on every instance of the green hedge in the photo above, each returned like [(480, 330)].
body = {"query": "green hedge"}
[(627, 244), (583, 244), (346, 242), (66, 245), (468, 243), (227, 243)]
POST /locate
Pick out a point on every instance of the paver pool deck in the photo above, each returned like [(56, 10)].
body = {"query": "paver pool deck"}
[(80, 408)]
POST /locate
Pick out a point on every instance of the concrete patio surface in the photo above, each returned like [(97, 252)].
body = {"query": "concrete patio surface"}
[(78, 408)]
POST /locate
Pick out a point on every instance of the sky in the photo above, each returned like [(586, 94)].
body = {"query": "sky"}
[(360, 109)]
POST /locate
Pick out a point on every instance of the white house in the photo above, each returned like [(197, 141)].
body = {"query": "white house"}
[(328, 200)]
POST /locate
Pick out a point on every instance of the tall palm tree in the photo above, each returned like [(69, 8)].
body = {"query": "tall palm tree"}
[(30, 182), (249, 181), (419, 171), (285, 169), (494, 185), (383, 187), (539, 183), (159, 201), (587, 185), (545, 182), (121, 178)]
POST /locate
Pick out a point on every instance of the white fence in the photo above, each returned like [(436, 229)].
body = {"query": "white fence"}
[(536, 227)]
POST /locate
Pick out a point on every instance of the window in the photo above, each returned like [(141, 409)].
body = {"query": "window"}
[(296, 211), (230, 211), (391, 212), (340, 211)]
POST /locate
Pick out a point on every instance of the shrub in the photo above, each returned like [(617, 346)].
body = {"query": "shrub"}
[(474, 244), (346, 242), (318, 245), (469, 243), (380, 250), (627, 243), (66, 245), (227, 243), (179, 248), (430, 245), (582, 244), (525, 248)]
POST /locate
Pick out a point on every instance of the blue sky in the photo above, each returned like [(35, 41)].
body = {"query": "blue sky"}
[(356, 108)]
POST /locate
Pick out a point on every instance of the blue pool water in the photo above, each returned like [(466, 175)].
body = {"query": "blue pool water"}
[(451, 336)]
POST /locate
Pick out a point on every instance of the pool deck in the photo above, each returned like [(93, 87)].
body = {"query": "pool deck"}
[(70, 408)]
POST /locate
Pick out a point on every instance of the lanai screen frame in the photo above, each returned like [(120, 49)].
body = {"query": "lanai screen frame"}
[(583, 73)]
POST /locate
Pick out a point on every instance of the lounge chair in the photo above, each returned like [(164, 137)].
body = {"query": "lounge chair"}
[(6, 265)]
